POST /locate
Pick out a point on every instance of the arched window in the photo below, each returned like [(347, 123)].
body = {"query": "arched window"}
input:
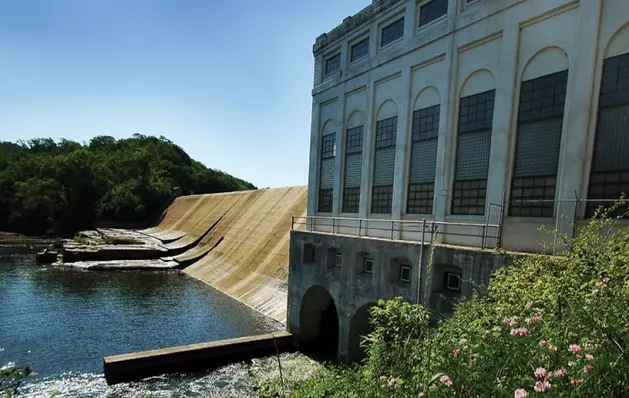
[(476, 114), (353, 163), (384, 164), (425, 135), (540, 121)]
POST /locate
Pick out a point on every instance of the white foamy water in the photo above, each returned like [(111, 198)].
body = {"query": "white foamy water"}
[(7, 366), (237, 380)]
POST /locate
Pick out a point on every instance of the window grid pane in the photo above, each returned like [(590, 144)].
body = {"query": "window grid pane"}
[(608, 185), (420, 198), (386, 133), (477, 112), (328, 146), (382, 199), (432, 11), (351, 200), (354, 140), (426, 123), (533, 196), (333, 64), (360, 50), (325, 200), (543, 98), (392, 32), (469, 197), (615, 87)]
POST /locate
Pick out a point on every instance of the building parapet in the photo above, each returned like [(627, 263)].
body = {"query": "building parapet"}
[(351, 23)]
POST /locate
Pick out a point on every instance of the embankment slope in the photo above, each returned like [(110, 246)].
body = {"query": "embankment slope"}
[(239, 242)]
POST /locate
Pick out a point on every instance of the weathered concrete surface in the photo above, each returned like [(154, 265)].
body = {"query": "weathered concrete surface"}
[(195, 357), (113, 244), (178, 219), (246, 253), (316, 284)]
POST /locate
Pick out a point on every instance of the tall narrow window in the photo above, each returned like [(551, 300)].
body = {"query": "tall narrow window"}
[(382, 191), (353, 169), (360, 50), (421, 189), (609, 177), (333, 64), (326, 182), (432, 11), (473, 149), (392, 32), (540, 121)]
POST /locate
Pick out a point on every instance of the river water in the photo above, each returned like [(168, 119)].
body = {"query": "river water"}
[(62, 321)]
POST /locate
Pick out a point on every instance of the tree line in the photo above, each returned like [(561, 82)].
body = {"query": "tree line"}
[(58, 188)]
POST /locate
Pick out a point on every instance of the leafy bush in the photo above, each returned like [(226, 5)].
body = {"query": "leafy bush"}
[(548, 326)]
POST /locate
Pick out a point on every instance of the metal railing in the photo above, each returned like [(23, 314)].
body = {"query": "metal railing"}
[(423, 231)]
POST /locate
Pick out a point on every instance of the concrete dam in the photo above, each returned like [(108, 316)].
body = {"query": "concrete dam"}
[(238, 242)]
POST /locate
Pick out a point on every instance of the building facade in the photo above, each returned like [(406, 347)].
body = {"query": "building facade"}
[(443, 128), (471, 112)]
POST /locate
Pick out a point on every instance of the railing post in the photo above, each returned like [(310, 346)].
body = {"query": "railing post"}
[(502, 217), (423, 229), (360, 226), (392, 227), (482, 243), (333, 219)]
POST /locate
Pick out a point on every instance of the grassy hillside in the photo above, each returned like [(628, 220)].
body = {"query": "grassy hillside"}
[(49, 187)]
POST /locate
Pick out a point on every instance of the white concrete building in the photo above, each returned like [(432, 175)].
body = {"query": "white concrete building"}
[(489, 117)]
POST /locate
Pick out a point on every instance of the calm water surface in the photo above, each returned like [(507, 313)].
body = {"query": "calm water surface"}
[(62, 322)]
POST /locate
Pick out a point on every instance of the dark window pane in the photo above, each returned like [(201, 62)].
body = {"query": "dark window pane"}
[(609, 186), (547, 91), (328, 146), (537, 200), (354, 142), (476, 112), (468, 199), (386, 133), (426, 123), (381, 199), (615, 81), (392, 32), (432, 10), (360, 50), (351, 200), (325, 200), (420, 198), (333, 64)]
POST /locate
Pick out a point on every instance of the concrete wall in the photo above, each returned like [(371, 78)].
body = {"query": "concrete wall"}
[(484, 45), (352, 290), (238, 242)]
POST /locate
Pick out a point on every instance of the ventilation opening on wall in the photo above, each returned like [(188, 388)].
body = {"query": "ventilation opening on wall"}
[(368, 266), (338, 260), (405, 273), (452, 282)]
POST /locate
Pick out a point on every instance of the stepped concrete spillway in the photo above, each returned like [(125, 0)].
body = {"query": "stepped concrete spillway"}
[(238, 242)]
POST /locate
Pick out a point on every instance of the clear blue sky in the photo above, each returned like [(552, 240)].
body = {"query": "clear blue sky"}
[(229, 81)]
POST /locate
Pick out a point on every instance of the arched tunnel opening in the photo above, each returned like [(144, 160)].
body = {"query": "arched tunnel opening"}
[(319, 324), (360, 326)]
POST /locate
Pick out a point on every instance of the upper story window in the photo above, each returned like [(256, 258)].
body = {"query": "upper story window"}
[(328, 146), (333, 64), (432, 11), (360, 50), (392, 32)]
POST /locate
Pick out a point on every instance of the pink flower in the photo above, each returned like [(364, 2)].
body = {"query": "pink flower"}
[(560, 372), (446, 380), (462, 341), (571, 364), (543, 342), (578, 356), (541, 373), (511, 321), (392, 382), (457, 352), (574, 348), (587, 368), (520, 332), (520, 393), (542, 386), (589, 357)]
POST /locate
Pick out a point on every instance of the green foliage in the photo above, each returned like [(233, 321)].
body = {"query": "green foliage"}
[(548, 326), (61, 187), (10, 380)]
